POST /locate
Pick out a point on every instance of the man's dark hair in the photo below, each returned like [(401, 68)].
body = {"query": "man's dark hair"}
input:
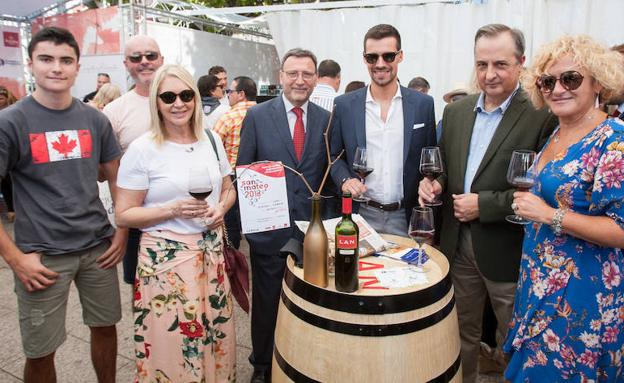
[(382, 31), (248, 86), (104, 74), (354, 85), (57, 36), (419, 82), (215, 70), (329, 68), (207, 84), (298, 52), (493, 30)]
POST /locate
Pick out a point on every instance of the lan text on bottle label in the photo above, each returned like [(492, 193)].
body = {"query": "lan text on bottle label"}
[(347, 241)]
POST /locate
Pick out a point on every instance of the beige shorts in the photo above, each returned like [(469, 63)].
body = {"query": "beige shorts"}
[(42, 313)]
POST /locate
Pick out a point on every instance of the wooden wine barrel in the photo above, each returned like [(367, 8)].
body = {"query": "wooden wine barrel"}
[(374, 335)]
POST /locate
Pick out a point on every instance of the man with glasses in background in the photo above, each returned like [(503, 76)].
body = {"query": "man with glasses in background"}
[(130, 117), (224, 103), (393, 123), (479, 134), (289, 129), (102, 78), (242, 96)]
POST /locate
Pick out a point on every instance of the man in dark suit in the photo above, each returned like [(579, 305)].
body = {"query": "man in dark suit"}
[(393, 123), (287, 129), (479, 133)]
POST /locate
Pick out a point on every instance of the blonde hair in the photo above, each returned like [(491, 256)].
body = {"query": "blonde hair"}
[(106, 94), (605, 66), (157, 126)]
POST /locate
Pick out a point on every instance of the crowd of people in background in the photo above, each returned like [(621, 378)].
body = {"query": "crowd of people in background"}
[(553, 288)]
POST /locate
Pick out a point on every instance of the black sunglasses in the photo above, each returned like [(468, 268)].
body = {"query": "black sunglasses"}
[(569, 80), (138, 57), (170, 97), (388, 57)]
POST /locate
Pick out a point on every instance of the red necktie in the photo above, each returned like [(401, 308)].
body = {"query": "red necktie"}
[(616, 113), (299, 134)]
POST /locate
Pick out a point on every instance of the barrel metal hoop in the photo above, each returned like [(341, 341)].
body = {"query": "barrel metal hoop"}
[(450, 372), (367, 304), (367, 329), (290, 371), (299, 377)]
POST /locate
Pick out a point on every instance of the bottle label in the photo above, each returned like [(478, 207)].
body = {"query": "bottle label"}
[(347, 241)]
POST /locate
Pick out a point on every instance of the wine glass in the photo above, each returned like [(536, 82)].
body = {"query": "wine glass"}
[(431, 166), (200, 184), (521, 175), (421, 229), (361, 169)]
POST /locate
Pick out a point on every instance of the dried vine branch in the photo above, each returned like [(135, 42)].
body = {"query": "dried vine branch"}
[(330, 163)]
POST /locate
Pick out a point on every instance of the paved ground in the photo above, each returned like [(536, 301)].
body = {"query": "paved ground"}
[(72, 359)]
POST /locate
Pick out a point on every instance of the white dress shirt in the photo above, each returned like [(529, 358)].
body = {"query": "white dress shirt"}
[(292, 117), (384, 144)]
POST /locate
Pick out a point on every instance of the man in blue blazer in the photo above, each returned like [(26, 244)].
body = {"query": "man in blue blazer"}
[(287, 129), (393, 123)]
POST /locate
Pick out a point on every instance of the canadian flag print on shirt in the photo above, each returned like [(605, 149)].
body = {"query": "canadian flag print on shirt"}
[(60, 145)]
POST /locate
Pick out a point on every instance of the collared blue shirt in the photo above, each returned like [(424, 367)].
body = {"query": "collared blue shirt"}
[(484, 128)]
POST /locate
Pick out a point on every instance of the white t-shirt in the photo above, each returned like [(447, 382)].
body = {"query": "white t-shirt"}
[(164, 172), (130, 117)]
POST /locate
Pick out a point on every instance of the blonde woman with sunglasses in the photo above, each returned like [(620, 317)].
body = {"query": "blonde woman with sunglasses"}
[(569, 307), (183, 311)]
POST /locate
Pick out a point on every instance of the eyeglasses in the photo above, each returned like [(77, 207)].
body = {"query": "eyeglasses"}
[(293, 75), (388, 57), (228, 91), (569, 80), (169, 97), (138, 57)]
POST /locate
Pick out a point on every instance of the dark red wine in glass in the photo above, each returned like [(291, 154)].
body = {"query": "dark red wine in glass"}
[(200, 194), (361, 168), (421, 228), (521, 175), (431, 171), (523, 183), (362, 171), (431, 166)]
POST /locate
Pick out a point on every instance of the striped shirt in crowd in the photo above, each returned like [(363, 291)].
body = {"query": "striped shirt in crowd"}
[(323, 96)]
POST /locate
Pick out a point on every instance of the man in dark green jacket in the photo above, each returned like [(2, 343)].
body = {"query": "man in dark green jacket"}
[(479, 133)]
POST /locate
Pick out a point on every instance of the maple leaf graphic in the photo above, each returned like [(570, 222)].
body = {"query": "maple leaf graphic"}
[(63, 145)]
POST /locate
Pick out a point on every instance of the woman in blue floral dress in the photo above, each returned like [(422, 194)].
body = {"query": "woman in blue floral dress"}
[(568, 319)]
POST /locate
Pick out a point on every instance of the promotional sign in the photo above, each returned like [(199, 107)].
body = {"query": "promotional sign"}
[(262, 197), (11, 65), (97, 31)]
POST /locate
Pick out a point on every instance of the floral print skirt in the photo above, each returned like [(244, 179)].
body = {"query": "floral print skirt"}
[(183, 310)]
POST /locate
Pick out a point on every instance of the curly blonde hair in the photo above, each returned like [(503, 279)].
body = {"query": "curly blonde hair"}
[(604, 66), (157, 125)]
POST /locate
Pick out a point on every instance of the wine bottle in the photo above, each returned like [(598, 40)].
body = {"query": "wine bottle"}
[(315, 248), (347, 254)]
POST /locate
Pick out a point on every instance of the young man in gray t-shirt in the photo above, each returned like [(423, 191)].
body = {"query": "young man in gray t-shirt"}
[(52, 145)]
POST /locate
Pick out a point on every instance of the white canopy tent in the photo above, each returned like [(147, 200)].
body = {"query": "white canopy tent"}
[(437, 36)]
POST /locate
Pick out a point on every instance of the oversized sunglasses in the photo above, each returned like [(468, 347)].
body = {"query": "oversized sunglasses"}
[(138, 57), (169, 97), (569, 80), (388, 57)]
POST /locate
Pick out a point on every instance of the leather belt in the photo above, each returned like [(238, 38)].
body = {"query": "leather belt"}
[(394, 206)]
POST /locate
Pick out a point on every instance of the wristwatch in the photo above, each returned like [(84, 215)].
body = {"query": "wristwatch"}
[(557, 221)]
